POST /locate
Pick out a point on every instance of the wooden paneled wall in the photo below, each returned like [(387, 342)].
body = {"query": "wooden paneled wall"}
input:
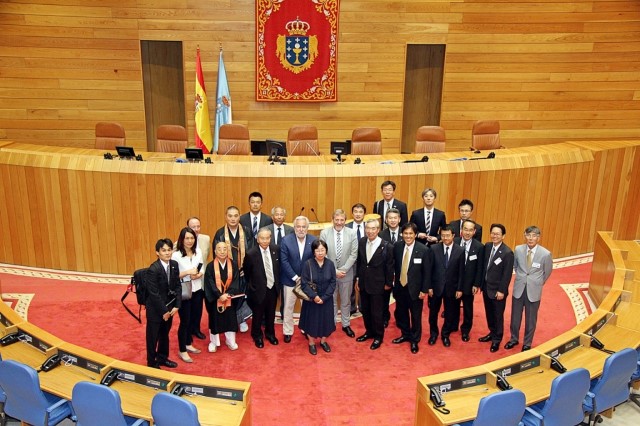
[(76, 211), (549, 71)]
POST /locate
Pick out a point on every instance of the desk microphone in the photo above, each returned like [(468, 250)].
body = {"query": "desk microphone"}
[(528, 373), (301, 210), (312, 150), (314, 213), (294, 148)]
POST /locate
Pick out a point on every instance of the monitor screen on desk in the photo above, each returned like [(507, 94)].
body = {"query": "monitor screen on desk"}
[(193, 153), (340, 148), (277, 147), (125, 151)]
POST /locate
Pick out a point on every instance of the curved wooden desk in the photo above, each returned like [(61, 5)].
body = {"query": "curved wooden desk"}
[(71, 209), (616, 323)]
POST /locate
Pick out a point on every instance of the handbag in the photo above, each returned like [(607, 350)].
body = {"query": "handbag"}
[(297, 289), (186, 290)]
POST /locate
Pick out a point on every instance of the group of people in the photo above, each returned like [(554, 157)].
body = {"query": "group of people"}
[(258, 259)]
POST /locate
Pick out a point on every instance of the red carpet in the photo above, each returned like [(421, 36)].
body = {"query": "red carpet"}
[(352, 385)]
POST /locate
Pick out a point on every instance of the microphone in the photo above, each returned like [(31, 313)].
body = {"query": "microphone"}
[(232, 147), (314, 151), (314, 213), (301, 210), (295, 147)]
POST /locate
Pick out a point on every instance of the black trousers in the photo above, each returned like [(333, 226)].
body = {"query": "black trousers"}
[(494, 311), (197, 299), (408, 314), (372, 313), (264, 311), (467, 313), (451, 315), (386, 313), (435, 303), (184, 336), (158, 340)]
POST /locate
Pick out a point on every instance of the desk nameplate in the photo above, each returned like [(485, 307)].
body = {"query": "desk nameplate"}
[(519, 367), (565, 347)]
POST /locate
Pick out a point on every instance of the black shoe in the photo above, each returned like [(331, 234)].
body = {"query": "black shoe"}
[(442, 314), (168, 363), (273, 340), (376, 344), (313, 350), (386, 323), (287, 338), (465, 337), (348, 331), (486, 338), (364, 337), (432, 340), (446, 342), (494, 347), (399, 340), (325, 347), (259, 343), (525, 348), (199, 335), (154, 365), (414, 348), (510, 344)]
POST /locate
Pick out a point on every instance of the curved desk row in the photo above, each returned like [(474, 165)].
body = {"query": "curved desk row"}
[(616, 323), (219, 401), (67, 208)]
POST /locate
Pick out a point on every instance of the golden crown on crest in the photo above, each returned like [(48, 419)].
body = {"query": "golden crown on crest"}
[(297, 27)]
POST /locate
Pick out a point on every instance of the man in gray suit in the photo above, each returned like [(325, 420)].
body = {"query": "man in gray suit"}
[(533, 265), (343, 251)]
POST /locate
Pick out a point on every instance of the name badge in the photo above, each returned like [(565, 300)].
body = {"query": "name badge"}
[(535, 265), (497, 261), (473, 257), (417, 260)]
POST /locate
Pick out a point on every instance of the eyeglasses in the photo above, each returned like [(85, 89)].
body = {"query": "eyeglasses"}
[(532, 235)]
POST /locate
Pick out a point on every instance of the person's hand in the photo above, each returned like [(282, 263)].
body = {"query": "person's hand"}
[(166, 316), (318, 300), (499, 295), (422, 295), (193, 271), (430, 292), (357, 285), (387, 287), (341, 274), (475, 290), (224, 297), (458, 294)]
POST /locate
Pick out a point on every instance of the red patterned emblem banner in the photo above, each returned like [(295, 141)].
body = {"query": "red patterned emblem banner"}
[(297, 50)]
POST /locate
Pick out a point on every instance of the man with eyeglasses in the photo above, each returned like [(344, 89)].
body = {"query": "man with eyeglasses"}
[(466, 211), (533, 265)]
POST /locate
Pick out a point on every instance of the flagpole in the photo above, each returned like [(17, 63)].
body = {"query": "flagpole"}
[(223, 100)]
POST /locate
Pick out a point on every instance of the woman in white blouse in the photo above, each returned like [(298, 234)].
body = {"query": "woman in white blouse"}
[(189, 258)]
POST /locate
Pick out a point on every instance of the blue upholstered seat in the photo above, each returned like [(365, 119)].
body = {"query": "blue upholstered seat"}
[(166, 408), (99, 405), (501, 408)]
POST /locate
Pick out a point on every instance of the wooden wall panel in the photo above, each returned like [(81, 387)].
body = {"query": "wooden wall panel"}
[(70, 209), (549, 71)]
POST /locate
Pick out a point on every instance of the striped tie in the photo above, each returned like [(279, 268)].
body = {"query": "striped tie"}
[(427, 222), (338, 247), (255, 226)]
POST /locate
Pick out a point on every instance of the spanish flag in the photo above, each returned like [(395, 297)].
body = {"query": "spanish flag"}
[(203, 127)]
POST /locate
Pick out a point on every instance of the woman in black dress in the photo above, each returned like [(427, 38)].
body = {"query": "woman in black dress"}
[(316, 317), (220, 283)]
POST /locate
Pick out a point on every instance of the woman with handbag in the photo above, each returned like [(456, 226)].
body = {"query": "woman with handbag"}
[(221, 283), (318, 283), (189, 258)]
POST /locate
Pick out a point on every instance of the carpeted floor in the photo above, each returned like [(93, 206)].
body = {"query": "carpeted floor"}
[(352, 385)]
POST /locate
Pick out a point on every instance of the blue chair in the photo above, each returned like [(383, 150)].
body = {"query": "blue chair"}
[(166, 408), (3, 399), (501, 408), (634, 397), (564, 406), (25, 400), (99, 405), (612, 388)]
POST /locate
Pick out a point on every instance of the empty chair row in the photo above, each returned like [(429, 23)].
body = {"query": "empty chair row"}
[(91, 404), (169, 137)]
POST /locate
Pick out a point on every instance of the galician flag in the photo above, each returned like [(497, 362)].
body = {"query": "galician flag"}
[(203, 126), (223, 101)]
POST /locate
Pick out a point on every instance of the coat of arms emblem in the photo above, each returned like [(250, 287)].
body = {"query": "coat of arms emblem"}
[(297, 50)]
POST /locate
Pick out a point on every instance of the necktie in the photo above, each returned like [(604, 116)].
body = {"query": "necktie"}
[(466, 251), (369, 250), (427, 222), (267, 268), (529, 258), (404, 268), (338, 247), (279, 235), (493, 252), (446, 257), (393, 237), (358, 232), (463, 244), (255, 226), (168, 271)]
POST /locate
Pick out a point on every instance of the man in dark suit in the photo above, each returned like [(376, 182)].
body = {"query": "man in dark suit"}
[(446, 284), (163, 301), (295, 250), (428, 219), (497, 271), (412, 261), (358, 210), (254, 219), (388, 189), (262, 273), (390, 234), (466, 210), (374, 274), (472, 281), (278, 228)]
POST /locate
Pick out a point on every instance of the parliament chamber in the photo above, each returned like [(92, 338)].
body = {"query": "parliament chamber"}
[(561, 78)]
